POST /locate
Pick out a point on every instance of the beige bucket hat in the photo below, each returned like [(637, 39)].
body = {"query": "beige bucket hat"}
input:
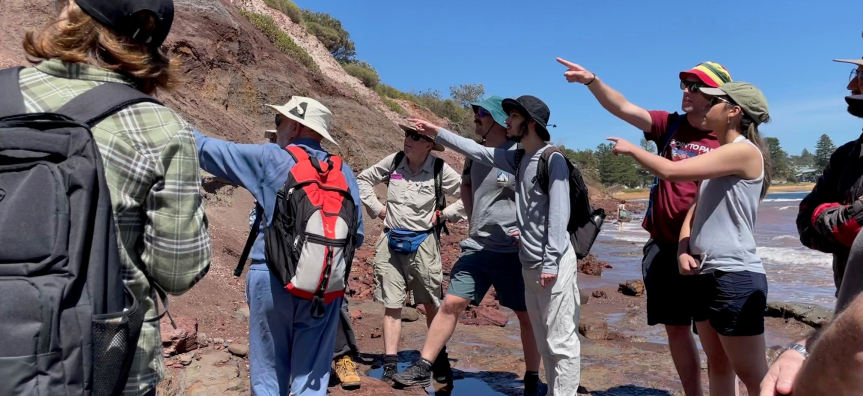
[(310, 113)]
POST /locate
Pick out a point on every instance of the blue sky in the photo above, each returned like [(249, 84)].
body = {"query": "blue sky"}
[(638, 47)]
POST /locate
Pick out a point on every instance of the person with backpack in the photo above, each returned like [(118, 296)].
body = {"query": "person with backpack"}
[(548, 257), (716, 246), (677, 137), (407, 254), (101, 189), (294, 289), (489, 256)]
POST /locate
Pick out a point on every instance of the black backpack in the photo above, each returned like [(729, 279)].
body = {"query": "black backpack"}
[(68, 323), (440, 198), (585, 222)]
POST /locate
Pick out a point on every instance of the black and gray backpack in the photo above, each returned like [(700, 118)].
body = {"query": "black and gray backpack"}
[(68, 324)]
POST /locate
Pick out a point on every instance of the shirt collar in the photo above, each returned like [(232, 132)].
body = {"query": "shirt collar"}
[(308, 143), (81, 71), (428, 165)]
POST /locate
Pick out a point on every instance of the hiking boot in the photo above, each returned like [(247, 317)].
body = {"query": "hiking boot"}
[(390, 369), (441, 370), (418, 373), (541, 390), (346, 370)]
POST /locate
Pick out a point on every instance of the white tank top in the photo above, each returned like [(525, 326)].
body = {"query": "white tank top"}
[(724, 224)]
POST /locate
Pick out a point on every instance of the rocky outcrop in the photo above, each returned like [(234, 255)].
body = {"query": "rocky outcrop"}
[(180, 340), (590, 265), (811, 315), (632, 288), (479, 316)]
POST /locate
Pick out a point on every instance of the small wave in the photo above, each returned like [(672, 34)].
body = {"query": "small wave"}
[(795, 256), (782, 237), (786, 207), (783, 200)]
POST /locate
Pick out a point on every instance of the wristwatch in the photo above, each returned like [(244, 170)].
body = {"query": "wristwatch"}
[(801, 349)]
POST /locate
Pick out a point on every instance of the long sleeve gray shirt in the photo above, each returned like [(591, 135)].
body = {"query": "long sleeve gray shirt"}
[(541, 218)]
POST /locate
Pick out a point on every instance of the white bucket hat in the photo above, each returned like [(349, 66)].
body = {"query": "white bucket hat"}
[(310, 113)]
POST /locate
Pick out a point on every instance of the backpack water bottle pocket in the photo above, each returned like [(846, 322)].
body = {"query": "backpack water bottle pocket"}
[(25, 353), (115, 338)]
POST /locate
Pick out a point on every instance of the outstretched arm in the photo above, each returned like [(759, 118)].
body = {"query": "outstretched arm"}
[(609, 98), (503, 159), (731, 159)]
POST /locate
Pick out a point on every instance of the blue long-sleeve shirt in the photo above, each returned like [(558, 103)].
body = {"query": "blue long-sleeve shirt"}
[(263, 169)]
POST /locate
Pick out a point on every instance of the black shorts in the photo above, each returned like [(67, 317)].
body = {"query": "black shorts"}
[(733, 302), (668, 292)]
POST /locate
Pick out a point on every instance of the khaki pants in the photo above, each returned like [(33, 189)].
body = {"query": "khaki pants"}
[(418, 272), (553, 312)]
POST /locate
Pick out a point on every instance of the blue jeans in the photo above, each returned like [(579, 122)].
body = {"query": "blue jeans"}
[(289, 351)]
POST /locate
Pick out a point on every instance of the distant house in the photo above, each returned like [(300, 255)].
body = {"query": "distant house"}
[(808, 174)]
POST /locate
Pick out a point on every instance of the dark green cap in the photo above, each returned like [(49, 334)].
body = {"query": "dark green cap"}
[(492, 104), (745, 95)]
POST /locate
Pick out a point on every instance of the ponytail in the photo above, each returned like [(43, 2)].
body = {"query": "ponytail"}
[(750, 131)]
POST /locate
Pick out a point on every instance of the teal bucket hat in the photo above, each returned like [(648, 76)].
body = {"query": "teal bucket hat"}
[(494, 105)]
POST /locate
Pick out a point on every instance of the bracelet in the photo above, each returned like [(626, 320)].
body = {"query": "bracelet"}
[(591, 80), (800, 349)]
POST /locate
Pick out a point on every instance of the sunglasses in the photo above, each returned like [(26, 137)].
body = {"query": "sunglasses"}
[(693, 86), (716, 99), (415, 136), (855, 74), (482, 112), (278, 120)]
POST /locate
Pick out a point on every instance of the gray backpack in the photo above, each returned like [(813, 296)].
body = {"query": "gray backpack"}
[(68, 323)]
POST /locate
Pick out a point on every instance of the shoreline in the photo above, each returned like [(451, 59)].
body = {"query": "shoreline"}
[(644, 193)]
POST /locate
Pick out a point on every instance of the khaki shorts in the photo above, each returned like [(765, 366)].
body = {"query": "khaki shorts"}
[(418, 272)]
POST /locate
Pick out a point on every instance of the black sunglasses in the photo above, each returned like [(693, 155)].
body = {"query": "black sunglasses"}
[(693, 86), (716, 99), (415, 136), (278, 120), (482, 112), (855, 74)]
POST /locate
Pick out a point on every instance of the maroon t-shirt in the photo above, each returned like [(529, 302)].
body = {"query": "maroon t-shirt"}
[(672, 200)]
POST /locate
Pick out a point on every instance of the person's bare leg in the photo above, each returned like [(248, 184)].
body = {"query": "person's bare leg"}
[(442, 325), (392, 330), (684, 353), (719, 369), (835, 364), (747, 358), (528, 342), (431, 312)]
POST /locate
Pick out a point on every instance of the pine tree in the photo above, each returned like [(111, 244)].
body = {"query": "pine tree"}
[(823, 150)]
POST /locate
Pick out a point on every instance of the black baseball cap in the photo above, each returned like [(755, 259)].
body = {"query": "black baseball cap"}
[(117, 15)]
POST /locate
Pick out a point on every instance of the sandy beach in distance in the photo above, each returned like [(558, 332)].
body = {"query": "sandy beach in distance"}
[(643, 193)]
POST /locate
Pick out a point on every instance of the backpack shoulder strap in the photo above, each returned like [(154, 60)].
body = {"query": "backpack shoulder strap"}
[(519, 154), (542, 167), (666, 140), (395, 164), (11, 99), (298, 153), (440, 199), (95, 105)]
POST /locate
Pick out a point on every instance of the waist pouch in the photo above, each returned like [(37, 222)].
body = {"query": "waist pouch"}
[(403, 241)]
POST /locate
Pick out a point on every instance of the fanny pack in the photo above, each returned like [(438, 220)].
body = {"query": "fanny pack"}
[(403, 241)]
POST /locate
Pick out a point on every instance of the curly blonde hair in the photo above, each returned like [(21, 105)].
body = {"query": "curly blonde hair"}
[(75, 37)]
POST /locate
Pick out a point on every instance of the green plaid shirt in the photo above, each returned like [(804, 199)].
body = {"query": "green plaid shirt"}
[(151, 166)]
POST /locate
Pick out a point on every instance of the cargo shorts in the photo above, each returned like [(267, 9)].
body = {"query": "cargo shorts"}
[(419, 272)]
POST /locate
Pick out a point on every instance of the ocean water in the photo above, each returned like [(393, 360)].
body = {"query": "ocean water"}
[(795, 273)]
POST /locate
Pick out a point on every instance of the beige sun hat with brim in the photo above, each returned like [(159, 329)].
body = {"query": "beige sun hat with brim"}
[(437, 146), (310, 113)]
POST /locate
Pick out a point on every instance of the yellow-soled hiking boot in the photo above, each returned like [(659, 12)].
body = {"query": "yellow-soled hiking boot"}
[(346, 370)]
